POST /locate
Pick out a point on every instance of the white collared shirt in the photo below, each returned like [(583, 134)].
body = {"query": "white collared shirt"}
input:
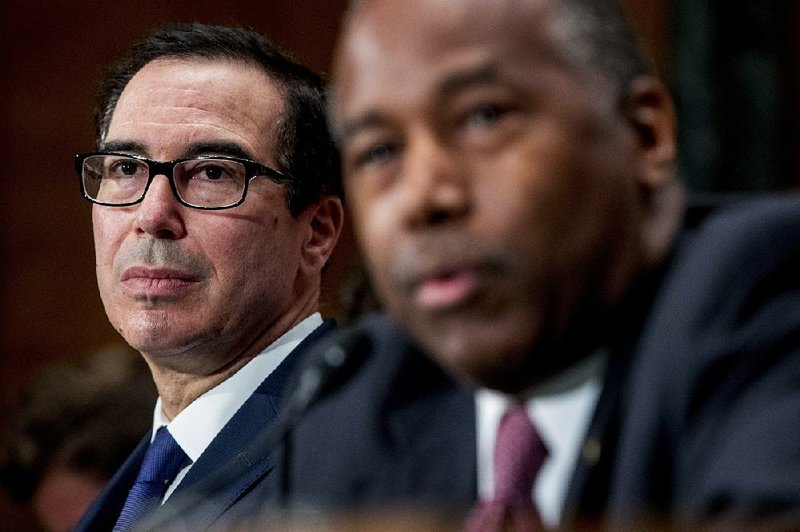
[(199, 423), (561, 410)]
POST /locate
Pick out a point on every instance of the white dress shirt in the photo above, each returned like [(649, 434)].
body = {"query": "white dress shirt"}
[(561, 410), (199, 423)]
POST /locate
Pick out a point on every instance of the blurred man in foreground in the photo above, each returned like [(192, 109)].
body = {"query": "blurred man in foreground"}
[(616, 357), (215, 210)]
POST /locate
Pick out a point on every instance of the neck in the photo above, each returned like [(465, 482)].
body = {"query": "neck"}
[(178, 390), (180, 384)]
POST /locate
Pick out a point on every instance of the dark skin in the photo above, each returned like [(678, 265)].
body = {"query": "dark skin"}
[(506, 202)]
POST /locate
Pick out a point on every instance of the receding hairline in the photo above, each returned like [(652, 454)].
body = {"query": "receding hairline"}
[(596, 36), (278, 84)]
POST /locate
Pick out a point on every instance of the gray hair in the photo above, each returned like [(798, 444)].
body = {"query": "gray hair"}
[(599, 36)]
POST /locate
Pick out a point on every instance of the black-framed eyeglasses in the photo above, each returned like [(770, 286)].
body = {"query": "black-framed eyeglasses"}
[(208, 182)]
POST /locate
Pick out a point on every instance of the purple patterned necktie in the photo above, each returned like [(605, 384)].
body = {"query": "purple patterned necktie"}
[(162, 462), (518, 455)]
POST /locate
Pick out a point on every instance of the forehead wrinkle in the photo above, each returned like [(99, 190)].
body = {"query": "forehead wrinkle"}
[(370, 42), (205, 125), (205, 129), (208, 112), (255, 102), (519, 24), (513, 36)]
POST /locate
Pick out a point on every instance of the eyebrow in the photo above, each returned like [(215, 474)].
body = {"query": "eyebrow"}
[(230, 149), (366, 121), (124, 146), (450, 86), (467, 79)]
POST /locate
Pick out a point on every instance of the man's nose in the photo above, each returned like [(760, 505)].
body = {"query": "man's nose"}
[(160, 214), (437, 185)]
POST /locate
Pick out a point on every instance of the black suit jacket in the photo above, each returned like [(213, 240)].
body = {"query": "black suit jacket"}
[(697, 422), (227, 450)]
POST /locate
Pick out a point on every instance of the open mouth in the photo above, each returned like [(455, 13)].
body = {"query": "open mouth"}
[(446, 290)]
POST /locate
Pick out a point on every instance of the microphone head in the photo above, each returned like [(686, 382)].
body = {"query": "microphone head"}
[(327, 372), (345, 356)]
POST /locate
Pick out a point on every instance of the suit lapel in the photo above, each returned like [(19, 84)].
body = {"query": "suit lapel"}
[(588, 489), (432, 413), (229, 453), (588, 494), (104, 511)]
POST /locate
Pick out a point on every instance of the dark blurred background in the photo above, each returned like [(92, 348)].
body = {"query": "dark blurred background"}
[(733, 67)]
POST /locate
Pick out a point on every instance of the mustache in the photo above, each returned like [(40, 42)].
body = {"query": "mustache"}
[(437, 255), (161, 254)]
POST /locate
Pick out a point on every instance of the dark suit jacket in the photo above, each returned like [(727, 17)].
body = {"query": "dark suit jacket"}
[(226, 449), (697, 421)]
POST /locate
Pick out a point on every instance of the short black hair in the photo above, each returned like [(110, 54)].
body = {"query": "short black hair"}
[(304, 149)]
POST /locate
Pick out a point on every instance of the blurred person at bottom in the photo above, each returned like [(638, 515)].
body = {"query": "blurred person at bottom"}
[(76, 425), (601, 352)]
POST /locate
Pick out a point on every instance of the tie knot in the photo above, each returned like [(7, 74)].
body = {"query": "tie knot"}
[(163, 460), (518, 455)]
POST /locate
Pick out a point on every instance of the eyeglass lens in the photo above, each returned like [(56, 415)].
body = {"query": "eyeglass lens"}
[(117, 180)]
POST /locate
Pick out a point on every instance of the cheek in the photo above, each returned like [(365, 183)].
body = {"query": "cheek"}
[(238, 254), (99, 231), (264, 256), (107, 235), (377, 234), (540, 191)]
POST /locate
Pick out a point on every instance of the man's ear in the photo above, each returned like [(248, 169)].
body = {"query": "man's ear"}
[(326, 219), (650, 112)]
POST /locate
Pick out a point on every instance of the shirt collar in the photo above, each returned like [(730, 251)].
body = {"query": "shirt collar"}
[(199, 423), (561, 409)]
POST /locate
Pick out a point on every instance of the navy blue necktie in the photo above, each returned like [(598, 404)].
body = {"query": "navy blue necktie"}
[(162, 462)]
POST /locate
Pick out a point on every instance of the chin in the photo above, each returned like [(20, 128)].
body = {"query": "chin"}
[(147, 336), (483, 359)]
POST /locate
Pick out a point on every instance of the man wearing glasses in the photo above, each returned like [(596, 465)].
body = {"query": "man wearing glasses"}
[(216, 206)]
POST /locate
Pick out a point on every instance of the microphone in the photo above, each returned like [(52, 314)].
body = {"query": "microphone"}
[(322, 375)]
